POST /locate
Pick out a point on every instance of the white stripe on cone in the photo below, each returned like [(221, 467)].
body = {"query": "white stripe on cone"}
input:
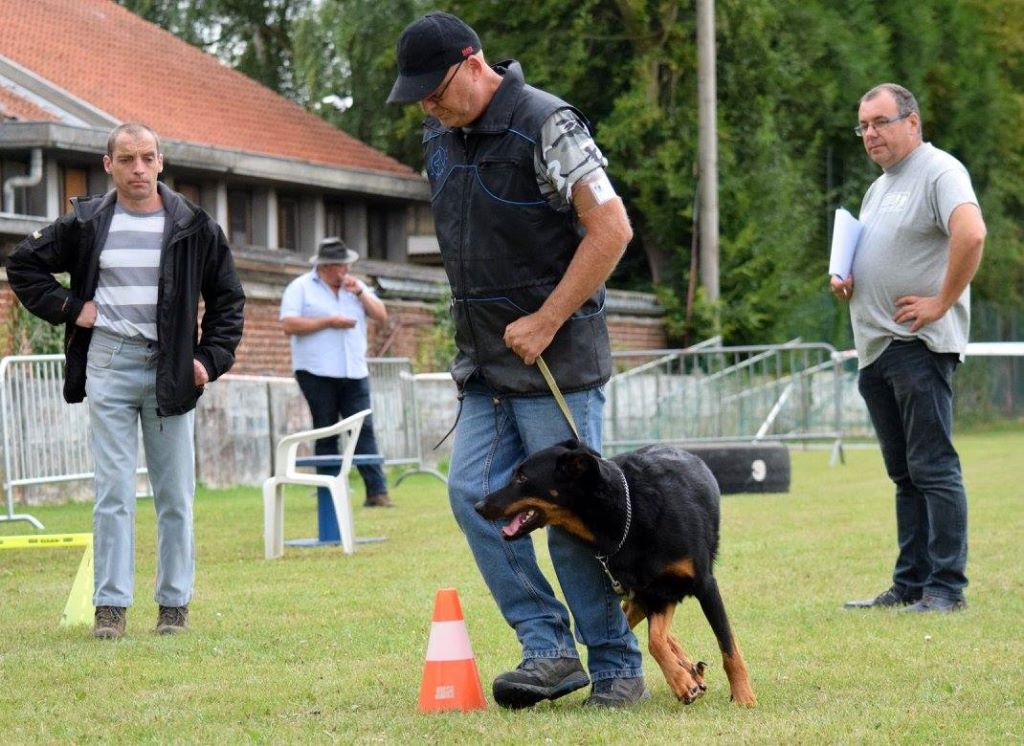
[(449, 641)]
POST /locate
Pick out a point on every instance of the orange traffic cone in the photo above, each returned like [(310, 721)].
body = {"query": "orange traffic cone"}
[(450, 677)]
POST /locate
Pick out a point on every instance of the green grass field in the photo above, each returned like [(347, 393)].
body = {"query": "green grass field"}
[(320, 648)]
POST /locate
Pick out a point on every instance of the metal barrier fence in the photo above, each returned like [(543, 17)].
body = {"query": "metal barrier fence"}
[(44, 440), (396, 415), (707, 393), (795, 392)]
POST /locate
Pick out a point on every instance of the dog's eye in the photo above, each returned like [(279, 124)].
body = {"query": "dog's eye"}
[(520, 478)]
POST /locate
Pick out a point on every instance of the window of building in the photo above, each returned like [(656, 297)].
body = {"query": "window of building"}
[(191, 192), (240, 217), (74, 183), (334, 218), (419, 221), (287, 223), (377, 232)]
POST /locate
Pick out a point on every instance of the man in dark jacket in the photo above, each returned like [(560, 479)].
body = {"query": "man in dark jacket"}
[(529, 228), (139, 259)]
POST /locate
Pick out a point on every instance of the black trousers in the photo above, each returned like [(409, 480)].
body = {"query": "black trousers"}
[(333, 399)]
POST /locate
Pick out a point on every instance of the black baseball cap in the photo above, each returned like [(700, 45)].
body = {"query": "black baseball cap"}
[(426, 49)]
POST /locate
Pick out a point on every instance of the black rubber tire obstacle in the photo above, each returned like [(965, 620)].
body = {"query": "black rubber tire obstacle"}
[(746, 467)]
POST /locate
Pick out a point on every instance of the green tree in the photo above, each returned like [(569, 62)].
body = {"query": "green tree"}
[(789, 76), (253, 36), (790, 73), (345, 66), (26, 334)]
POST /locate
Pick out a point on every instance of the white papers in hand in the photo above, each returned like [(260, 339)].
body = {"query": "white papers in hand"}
[(845, 233)]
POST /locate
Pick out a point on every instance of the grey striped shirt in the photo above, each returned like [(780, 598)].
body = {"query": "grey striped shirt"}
[(130, 273)]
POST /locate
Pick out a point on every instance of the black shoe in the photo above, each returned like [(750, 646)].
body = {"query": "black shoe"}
[(171, 620), (109, 622), (538, 678), (936, 603), (617, 693), (887, 599)]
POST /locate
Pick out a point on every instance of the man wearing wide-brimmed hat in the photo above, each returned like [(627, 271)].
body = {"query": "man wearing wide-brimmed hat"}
[(324, 312)]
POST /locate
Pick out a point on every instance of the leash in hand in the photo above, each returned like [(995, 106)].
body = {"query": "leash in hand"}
[(557, 393)]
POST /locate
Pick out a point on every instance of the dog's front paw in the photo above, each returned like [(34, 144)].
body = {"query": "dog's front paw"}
[(698, 673), (689, 685)]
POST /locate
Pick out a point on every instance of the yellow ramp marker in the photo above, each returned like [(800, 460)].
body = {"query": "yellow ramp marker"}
[(78, 609)]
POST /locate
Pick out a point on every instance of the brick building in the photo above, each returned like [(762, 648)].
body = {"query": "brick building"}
[(277, 178)]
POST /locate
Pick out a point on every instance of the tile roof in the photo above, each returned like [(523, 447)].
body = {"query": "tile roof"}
[(135, 71), (14, 106)]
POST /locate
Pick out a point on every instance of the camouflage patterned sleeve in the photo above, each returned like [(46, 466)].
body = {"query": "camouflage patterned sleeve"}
[(566, 154)]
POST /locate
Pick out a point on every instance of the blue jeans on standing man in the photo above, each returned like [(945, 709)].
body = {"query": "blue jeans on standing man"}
[(333, 399), (121, 392), (909, 394), (493, 436)]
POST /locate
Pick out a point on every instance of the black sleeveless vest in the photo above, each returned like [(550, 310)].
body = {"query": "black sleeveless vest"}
[(504, 248)]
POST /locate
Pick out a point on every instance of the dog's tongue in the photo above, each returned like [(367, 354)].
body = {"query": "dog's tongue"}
[(517, 521)]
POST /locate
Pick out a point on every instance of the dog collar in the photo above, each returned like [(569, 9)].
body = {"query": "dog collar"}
[(629, 520)]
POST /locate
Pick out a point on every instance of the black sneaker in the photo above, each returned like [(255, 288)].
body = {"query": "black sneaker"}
[(539, 678), (171, 620), (936, 603), (617, 692), (887, 599), (109, 622)]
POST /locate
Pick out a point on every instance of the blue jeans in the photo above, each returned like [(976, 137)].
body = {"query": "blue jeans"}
[(492, 437), (333, 399), (909, 395), (121, 392)]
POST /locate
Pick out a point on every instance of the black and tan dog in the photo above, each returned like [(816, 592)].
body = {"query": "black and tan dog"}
[(652, 518)]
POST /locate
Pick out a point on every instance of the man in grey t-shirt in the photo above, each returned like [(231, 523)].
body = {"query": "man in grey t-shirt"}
[(910, 308)]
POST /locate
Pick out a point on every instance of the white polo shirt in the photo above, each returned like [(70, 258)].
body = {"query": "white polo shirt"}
[(334, 353)]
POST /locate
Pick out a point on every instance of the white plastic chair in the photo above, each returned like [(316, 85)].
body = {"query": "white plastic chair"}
[(286, 472)]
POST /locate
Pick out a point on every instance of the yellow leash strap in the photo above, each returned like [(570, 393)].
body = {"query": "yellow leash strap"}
[(555, 392)]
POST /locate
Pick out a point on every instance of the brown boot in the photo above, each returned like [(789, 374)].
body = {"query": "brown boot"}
[(378, 501), (171, 620), (109, 622)]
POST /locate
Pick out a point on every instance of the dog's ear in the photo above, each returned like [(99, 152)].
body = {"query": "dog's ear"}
[(576, 464)]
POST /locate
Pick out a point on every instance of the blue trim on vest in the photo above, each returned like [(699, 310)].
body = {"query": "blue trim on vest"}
[(506, 299), (525, 137), (490, 241), (475, 168)]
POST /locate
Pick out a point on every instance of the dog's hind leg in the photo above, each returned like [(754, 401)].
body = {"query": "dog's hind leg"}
[(681, 677), (732, 659)]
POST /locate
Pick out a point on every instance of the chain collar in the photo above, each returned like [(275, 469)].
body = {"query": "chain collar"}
[(603, 559)]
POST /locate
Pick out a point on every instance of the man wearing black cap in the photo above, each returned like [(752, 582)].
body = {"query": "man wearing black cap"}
[(324, 312), (529, 228)]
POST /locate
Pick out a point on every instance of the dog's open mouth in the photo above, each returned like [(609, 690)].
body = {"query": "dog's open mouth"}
[(523, 523)]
